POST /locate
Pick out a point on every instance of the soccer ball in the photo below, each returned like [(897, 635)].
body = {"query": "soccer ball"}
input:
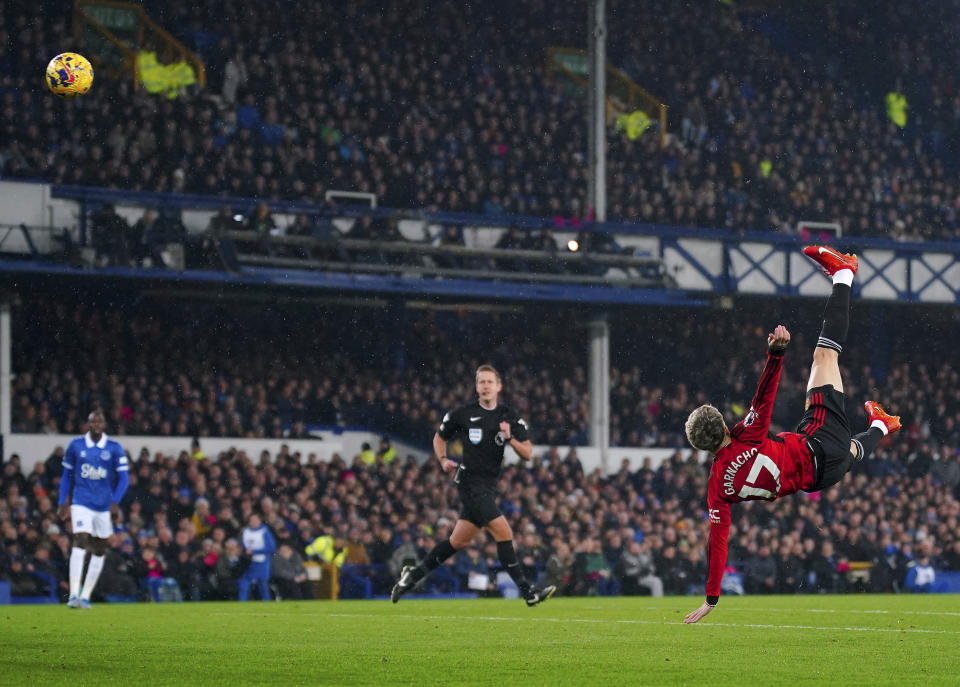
[(69, 75)]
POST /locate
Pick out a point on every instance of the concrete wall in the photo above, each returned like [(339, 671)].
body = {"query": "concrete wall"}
[(33, 448)]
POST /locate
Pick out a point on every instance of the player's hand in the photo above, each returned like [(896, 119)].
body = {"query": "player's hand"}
[(448, 466), (64, 512), (505, 428), (779, 339), (114, 512), (698, 614)]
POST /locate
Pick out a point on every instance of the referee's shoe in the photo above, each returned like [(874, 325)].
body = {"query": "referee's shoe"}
[(535, 596), (404, 584)]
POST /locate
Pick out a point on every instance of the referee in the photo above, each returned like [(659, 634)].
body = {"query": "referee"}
[(486, 428)]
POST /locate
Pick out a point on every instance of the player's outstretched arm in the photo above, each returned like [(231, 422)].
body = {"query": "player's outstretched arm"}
[(778, 340), (696, 615), (753, 428)]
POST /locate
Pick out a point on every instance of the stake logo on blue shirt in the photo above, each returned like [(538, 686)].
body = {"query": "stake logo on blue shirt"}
[(95, 474)]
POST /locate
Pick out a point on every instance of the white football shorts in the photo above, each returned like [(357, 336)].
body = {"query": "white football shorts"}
[(94, 522)]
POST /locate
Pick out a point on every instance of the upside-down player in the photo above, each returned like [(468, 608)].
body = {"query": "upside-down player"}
[(750, 463)]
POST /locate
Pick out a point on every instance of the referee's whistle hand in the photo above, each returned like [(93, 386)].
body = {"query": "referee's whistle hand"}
[(505, 428)]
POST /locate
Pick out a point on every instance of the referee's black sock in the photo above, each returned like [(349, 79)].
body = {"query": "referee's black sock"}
[(836, 319), (508, 556), (866, 442), (438, 554)]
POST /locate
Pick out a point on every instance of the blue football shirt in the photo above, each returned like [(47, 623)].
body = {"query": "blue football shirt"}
[(95, 474)]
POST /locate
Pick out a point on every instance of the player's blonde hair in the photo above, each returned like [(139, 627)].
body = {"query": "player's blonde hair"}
[(488, 368), (705, 428)]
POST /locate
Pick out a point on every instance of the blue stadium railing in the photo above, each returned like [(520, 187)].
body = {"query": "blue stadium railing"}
[(714, 261)]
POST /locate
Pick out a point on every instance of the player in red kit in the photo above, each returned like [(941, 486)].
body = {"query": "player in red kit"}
[(750, 463)]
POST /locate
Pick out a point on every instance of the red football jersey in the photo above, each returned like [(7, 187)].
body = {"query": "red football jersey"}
[(754, 465)]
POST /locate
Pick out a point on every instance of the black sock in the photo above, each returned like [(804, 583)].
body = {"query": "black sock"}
[(836, 319), (867, 441), (438, 554), (508, 556)]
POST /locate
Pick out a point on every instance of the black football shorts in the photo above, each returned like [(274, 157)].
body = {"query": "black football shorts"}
[(478, 502), (825, 422)]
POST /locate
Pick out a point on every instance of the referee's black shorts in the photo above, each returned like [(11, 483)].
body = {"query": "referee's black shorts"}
[(478, 502), (825, 423)]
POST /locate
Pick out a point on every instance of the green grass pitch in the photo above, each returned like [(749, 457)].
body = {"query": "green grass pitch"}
[(784, 640)]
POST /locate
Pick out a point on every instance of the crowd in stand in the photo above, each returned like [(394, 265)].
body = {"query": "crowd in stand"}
[(638, 531), (394, 101), (274, 371), (266, 372)]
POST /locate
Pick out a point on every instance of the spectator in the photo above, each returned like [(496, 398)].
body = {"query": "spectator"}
[(674, 572), (144, 240), (406, 553), (474, 574), (261, 220), (355, 551), (120, 571), (590, 569), (366, 455), (387, 453), (42, 562), (452, 236), (222, 222), (235, 77), (760, 572), (512, 239), (112, 236), (202, 520), (189, 573), (636, 572), (259, 545), (290, 575), (228, 570), (825, 571), (921, 577), (22, 583), (559, 568), (951, 558)]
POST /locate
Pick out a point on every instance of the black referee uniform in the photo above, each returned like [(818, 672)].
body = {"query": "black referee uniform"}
[(483, 445), (476, 478)]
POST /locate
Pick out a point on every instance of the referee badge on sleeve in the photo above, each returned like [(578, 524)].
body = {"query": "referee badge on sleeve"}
[(475, 435)]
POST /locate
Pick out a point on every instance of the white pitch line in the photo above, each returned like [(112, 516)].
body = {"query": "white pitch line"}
[(838, 610), (646, 622), (597, 621), (740, 609)]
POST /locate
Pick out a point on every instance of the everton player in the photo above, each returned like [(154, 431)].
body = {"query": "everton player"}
[(95, 477), (486, 428), (752, 464)]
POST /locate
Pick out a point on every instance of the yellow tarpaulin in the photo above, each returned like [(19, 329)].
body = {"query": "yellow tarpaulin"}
[(633, 124), (897, 108), (168, 79)]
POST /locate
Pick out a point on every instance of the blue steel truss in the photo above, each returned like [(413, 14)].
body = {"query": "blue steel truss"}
[(702, 261)]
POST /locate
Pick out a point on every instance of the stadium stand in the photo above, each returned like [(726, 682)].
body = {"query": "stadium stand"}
[(747, 150), (880, 520), (255, 382), (362, 97), (225, 373)]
